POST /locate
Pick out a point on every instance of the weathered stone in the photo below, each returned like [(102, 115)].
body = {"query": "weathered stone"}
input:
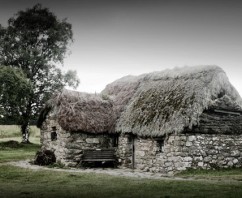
[(167, 164), (187, 164), (146, 169), (92, 140), (140, 153), (191, 138), (187, 159), (174, 159), (181, 168), (188, 144), (235, 161), (235, 153), (207, 159)]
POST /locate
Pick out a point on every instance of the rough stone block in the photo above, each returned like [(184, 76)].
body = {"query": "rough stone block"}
[(187, 164), (198, 158), (235, 161), (207, 159), (92, 140), (181, 168), (187, 159), (235, 153), (191, 138), (167, 164), (140, 153), (188, 144)]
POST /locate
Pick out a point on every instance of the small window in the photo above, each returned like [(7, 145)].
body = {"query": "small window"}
[(160, 144), (130, 139), (53, 134)]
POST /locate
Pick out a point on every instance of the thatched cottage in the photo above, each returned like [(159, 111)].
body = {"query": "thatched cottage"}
[(165, 121)]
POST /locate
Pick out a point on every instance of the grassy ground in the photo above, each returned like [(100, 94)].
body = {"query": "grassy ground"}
[(12, 132), (229, 175), (14, 151), (19, 182), (10, 150)]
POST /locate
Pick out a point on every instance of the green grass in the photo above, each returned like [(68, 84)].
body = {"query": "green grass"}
[(7, 131), (228, 174), (22, 151), (217, 172), (20, 182), (10, 152), (17, 182), (12, 132)]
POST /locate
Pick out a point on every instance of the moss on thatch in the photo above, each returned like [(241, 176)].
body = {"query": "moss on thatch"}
[(121, 91), (76, 111), (167, 102)]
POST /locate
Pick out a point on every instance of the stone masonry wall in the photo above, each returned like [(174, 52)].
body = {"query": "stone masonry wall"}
[(124, 151), (68, 147), (184, 151)]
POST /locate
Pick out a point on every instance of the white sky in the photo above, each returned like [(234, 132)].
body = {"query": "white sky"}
[(114, 39)]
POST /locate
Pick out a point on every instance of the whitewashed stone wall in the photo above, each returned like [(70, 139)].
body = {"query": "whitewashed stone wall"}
[(180, 152), (68, 148)]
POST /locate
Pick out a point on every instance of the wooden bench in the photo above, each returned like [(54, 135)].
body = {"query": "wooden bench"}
[(99, 155)]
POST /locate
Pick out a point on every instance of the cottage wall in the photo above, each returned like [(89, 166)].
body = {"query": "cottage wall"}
[(68, 147), (125, 151), (184, 151)]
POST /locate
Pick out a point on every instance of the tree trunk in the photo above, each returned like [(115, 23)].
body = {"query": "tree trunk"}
[(25, 132), (25, 122)]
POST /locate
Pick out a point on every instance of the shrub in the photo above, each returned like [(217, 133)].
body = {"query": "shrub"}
[(45, 157)]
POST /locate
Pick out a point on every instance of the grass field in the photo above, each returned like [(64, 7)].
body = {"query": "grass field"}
[(12, 132), (14, 152), (20, 182), (17, 182)]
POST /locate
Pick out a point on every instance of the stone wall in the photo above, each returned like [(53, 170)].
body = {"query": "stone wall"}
[(179, 152), (146, 151), (125, 151), (68, 147), (184, 151)]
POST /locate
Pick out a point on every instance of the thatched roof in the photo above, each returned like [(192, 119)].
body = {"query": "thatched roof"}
[(83, 112), (152, 104), (121, 91), (166, 102)]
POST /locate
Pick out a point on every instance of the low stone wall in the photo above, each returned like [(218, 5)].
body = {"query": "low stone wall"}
[(184, 151), (69, 146)]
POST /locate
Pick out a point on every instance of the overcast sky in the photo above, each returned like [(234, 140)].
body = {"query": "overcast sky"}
[(117, 38)]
